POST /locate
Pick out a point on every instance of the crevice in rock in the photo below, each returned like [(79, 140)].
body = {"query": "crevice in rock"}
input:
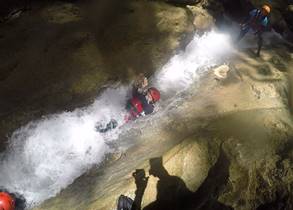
[(282, 202), (206, 197)]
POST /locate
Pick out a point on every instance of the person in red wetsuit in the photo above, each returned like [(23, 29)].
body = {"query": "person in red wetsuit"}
[(140, 104)]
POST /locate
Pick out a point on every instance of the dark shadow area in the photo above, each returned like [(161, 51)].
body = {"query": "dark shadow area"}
[(183, 3), (10, 6), (206, 196), (237, 9), (128, 36), (172, 192), (282, 202)]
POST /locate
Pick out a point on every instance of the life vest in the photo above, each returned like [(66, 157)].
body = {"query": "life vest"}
[(136, 107), (257, 22)]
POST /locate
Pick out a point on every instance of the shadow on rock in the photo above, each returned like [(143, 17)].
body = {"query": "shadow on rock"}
[(172, 192), (206, 196)]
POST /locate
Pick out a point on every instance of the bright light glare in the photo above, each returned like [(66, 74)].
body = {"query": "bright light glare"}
[(200, 54)]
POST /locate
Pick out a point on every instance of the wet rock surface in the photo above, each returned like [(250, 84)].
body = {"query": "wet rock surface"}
[(55, 59), (228, 145)]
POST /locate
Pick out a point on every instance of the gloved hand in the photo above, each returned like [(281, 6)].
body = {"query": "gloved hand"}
[(141, 180)]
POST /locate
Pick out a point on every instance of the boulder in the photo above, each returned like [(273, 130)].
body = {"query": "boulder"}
[(203, 21)]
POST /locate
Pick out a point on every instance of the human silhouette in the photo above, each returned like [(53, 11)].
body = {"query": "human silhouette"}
[(126, 203), (172, 192)]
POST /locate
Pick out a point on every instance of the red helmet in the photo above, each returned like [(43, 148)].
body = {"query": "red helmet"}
[(6, 201), (155, 94)]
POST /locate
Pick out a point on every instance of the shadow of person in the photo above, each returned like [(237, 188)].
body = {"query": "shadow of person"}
[(172, 192), (141, 182)]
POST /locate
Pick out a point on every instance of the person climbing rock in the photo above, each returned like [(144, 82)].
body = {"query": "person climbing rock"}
[(6, 201), (140, 85), (257, 22), (140, 104)]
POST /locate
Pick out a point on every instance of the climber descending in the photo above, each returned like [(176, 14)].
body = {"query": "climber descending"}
[(257, 22), (141, 104), (6, 201)]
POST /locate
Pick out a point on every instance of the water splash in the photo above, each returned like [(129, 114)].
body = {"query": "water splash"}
[(185, 68), (47, 155)]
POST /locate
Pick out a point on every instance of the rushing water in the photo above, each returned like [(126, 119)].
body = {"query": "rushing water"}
[(45, 156)]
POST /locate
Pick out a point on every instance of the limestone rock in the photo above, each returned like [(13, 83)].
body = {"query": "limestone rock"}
[(221, 72), (203, 21)]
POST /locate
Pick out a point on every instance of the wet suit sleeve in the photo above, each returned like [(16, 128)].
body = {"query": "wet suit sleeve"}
[(246, 24), (250, 17), (147, 108), (252, 13)]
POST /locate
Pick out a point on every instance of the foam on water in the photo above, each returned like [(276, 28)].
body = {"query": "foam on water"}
[(45, 156), (185, 68)]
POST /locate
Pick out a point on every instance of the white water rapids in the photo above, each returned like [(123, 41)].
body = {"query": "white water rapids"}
[(46, 155)]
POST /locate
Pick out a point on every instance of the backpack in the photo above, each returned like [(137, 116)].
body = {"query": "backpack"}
[(124, 203)]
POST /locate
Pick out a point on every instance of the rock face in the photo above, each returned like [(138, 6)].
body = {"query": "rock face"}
[(203, 21), (228, 146), (54, 58)]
